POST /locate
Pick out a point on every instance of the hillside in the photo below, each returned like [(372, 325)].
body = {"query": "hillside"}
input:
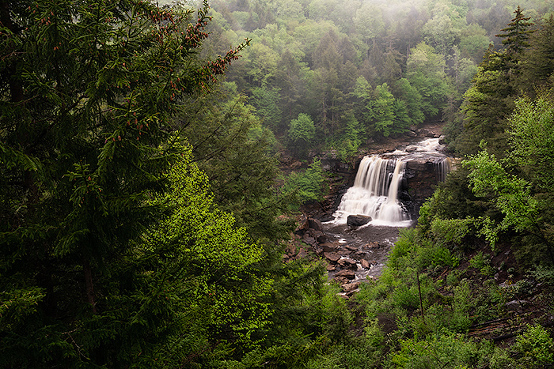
[(156, 160)]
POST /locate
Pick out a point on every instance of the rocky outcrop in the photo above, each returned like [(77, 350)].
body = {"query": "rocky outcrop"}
[(420, 178), (357, 220)]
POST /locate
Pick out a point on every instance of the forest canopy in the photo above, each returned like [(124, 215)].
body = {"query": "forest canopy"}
[(144, 217), (307, 57)]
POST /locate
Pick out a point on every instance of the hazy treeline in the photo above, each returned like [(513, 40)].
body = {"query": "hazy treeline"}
[(357, 69)]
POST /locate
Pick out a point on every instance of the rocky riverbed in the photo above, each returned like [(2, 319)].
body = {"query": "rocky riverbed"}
[(352, 254), (355, 253)]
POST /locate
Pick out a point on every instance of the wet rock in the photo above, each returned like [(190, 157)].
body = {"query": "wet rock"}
[(365, 264), (332, 256), (341, 280), (301, 254), (315, 224), (371, 245), (327, 218), (359, 255), (357, 220), (320, 236), (346, 273), (291, 249), (309, 240), (351, 248), (350, 287), (328, 247), (516, 305), (303, 226), (331, 267), (348, 263), (427, 133)]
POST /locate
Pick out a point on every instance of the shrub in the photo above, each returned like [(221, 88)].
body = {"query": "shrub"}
[(536, 347), (442, 350)]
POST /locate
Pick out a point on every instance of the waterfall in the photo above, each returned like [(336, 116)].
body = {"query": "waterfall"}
[(443, 168), (375, 193)]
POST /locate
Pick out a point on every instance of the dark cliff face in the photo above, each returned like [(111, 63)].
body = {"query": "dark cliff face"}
[(421, 179)]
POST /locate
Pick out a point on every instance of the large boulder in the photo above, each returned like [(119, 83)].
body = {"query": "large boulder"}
[(315, 224), (332, 256), (357, 220), (346, 273)]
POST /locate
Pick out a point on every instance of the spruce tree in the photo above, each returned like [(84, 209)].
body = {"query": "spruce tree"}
[(516, 35), (88, 90), (539, 61), (490, 99)]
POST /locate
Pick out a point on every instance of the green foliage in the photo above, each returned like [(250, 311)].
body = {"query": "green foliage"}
[(536, 347), (352, 137), (453, 199), (516, 34), (382, 110), (532, 140), (415, 250), (442, 350), (301, 134), (482, 262), (451, 230), (346, 144), (487, 104), (412, 99), (302, 129), (510, 194), (474, 42), (539, 63), (425, 72), (202, 265), (478, 261), (81, 161), (307, 185), (359, 354), (267, 105), (239, 156)]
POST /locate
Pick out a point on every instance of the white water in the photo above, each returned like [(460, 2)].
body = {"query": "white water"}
[(375, 193), (377, 183)]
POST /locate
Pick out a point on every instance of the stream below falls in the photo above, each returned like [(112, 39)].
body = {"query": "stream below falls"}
[(380, 195)]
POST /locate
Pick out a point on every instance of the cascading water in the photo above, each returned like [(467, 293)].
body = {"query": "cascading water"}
[(377, 182), (443, 167), (409, 173), (375, 193)]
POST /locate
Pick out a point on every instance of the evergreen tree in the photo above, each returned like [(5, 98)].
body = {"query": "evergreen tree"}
[(239, 156), (487, 104), (539, 61), (516, 35), (88, 93), (490, 100)]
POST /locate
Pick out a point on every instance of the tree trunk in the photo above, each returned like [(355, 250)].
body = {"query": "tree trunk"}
[(88, 284)]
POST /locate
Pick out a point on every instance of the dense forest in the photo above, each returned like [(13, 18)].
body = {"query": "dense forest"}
[(143, 212), (331, 75)]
